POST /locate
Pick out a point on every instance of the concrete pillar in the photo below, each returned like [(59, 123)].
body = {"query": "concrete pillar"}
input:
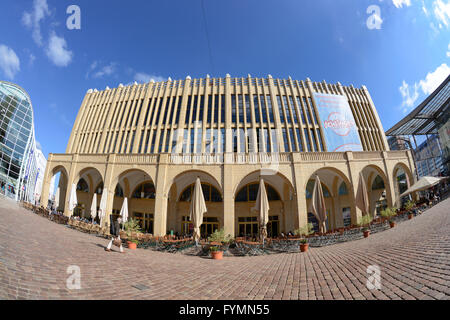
[(300, 193), (353, 171), (228, 201), (70, 181), (110, 184), (160, 217)]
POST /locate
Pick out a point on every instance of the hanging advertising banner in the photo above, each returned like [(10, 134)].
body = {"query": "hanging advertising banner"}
[(341, 133)]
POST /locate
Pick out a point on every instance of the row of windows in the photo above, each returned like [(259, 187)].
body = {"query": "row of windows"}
[(211, 108)]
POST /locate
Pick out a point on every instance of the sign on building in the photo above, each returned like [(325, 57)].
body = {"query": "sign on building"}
[(341, 133)]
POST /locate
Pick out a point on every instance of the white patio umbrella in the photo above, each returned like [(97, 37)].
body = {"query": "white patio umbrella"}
[(423, 184), (262, 206), (57, 198), (362, 198), (318, 204), (94, 207), (197, 209), (102, 209), (124, 211), (73, 198)]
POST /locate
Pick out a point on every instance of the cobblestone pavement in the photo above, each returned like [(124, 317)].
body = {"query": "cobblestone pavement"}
[(414, 259)]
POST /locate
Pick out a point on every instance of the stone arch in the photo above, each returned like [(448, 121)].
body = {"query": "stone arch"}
[(141, 209), (93, 178), (379, 198), (63, 185), (282, 212), (409, 179), (177, 219), (340, 208)]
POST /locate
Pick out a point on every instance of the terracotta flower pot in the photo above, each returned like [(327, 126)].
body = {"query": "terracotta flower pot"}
[(392, 224), (131, 245), (304, 247), (217, 255), (366, 233), (410, 216)]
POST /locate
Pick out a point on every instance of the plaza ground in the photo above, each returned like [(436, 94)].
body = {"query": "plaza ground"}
[(35, 253)]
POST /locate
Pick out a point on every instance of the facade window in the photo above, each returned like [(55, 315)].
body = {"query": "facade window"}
[(250, 192), (192, 141), (148, 112), (216, 108), (280, 110), (311, 106), (247, 109), (139, 112), (141, 141), (301, 110), (82, 186), (241, 108), (263, 108), (308, 142), (145, 190), (299, 139), (256, 108), (319, 136), (177, 118), (291, 134), (343, 189), (188, 109), (194, 110), (210, 109), (161, 141), (269, 107), (118, 192), (222, 109), (199, 140), (201, 108), (210, 193), (285, 140), (307, 110), (286, 108), (314, 140), (310, 187), (153, 141), (223, 141), (147, 140), (185, 141), (294, 111), (159, 111), (378, 183), (233, 108)]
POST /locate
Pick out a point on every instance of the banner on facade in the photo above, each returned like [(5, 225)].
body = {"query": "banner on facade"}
[(338, 123)]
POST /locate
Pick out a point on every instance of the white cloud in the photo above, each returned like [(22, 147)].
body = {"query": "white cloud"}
[(410, 94), (105, 71), (9, 62), (33, 19), (144, 77), (442, 12), (400, 3), (32, 57), (448, 52), (409, 98), (57, 51), (434, 79)]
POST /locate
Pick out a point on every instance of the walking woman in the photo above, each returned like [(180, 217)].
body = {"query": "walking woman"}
[(115, 232)]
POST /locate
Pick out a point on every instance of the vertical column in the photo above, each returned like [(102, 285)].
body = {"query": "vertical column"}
[(70, 181), (110, 187), (353, 173), (227, 104), (300, 178), (160, 222), (76, 127), (228, 200), (46, 183)]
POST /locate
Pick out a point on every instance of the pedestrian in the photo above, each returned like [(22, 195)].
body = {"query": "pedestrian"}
[(115, 232)]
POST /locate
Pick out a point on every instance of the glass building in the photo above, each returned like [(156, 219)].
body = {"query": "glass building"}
[(17, 143)]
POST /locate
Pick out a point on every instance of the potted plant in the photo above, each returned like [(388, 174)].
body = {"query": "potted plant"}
[(216, 253), (132, 229), (409, 206), (220, 239), (365, 224), (389, 214), (304, 232)]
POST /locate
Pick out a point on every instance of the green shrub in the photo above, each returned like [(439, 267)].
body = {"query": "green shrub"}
[(305, 230), (365, 221), (132, 226), (409, 205), (388, 213), (220, 236)]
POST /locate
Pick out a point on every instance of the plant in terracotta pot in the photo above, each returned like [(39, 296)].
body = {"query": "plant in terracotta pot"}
[(389, 214), (409, 206), (220, 240), (304, 232), (132, 229), (364, 223)]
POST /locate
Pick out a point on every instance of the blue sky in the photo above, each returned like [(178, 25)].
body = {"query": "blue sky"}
[(400, 62)]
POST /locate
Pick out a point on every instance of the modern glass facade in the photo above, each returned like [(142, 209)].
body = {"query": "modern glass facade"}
[(18, 165)]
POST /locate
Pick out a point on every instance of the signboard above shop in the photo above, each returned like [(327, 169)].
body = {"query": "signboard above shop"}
[(339, 127)]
